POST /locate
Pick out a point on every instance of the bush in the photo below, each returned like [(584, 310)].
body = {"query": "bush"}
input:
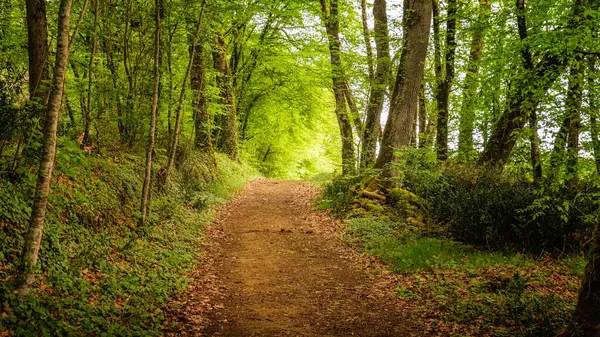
[(339, 193), (496, 211)]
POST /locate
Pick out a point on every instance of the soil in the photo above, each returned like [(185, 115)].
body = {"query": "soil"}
[(274, 265)]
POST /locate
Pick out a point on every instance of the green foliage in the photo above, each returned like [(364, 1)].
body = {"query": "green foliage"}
[(498, 211), (339, 193), (462, 284), (99, 274)]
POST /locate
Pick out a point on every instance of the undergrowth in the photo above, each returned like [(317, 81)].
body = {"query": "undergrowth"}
[(99, 273), (477, 252)]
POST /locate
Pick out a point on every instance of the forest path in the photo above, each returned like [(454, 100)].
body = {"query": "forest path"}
[(273, 265)]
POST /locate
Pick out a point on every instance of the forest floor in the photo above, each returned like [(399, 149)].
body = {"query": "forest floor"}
[(273, 265)]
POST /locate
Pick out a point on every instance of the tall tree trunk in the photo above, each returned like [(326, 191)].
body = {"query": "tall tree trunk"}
[(536, 162), (422, 118), (331, 22), (229, 133), (367, 37), (525, 94), (396, 135), (593, 112), (37, 37), (202, 120), (88, 110), (471, 83), (586, 319), (177, 126), (379, 84), (445, 85), (568, 133), (155, 101), (33, 238), (577, 75)]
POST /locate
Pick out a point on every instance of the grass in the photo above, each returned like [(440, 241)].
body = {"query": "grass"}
[(464, 291), (405, 250)]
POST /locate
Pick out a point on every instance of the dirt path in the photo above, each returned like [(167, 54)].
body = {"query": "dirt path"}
[(274, 266)]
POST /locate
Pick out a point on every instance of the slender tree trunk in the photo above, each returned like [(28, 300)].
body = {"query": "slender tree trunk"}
[(379, 85), (155, 101), (422, 117), (229, 133), (37, 37), (471, 82), (586, 319), (367, 37), (536, 162), (177, 126), (88, 111), (536, 156), (524, 96), (33, 238), (403, 106), (331, 22), (202, 120), (577, 75), (445, 86), (593, 113), (568, 133)]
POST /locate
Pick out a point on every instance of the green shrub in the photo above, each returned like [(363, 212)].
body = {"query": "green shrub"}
[(339, 193), (497, 211)]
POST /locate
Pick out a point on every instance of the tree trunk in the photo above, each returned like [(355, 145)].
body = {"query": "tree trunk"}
[(37, 37), (367, 37), (379, 85), (331, 22), (202, 120), (536, 162), (155, 101), (396, 135), (524, 96), (422, 118), (229, 133), (593, 113), (88, 111), (445, 85), (471, 82), (40, 201), (575, 102), (586, 319), (177, 126)]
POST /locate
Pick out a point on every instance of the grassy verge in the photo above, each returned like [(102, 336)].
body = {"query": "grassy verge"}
[(100, 274), (462, 291)]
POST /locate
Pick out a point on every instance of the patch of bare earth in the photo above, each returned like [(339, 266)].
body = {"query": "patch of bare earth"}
[(273, 265)]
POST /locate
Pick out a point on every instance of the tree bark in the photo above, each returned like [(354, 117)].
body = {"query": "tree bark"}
[(367, 37), (379, 84), (586, 322), (37, 37), (40, 201), (155, 101), (177, 126), (88, 111), (396, 135), (202, 118), (445, 85), (330, 20), (524, 96), (229, 133), (593, 113), (536, 162), (423, 125), (471, 83)]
